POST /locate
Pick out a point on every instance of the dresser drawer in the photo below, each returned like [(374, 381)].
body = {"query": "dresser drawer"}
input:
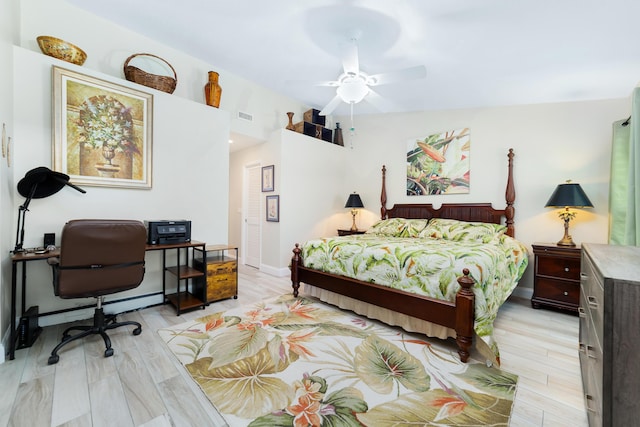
[(562, 268), (557, 290), (593, 298), (593, 400)]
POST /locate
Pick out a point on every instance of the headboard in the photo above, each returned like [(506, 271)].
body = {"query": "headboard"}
[(477, 212)]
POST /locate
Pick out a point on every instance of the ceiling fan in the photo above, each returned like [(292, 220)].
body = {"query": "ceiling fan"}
[(354, 85)]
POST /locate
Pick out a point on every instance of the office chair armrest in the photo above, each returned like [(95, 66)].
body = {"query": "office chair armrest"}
[(53, 261)]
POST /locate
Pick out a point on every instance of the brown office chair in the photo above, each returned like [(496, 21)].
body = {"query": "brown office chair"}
[(97, 258)]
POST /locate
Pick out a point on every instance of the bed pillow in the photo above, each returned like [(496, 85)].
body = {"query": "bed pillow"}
[(398, 227), (413, 227), (462, 231)]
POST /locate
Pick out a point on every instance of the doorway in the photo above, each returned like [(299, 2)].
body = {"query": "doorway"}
[(252, 232)]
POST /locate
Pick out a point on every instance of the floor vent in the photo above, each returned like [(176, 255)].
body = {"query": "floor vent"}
[(245, 116)]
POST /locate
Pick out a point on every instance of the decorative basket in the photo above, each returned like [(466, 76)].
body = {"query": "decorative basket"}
[(61, 49), (163, 83)]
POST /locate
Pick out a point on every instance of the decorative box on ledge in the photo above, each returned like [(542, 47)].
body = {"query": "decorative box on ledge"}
[(313, 116), (313, 125), (316, 131)]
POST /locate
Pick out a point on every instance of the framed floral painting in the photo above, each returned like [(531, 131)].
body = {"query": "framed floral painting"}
[(102, 131), (439, 163)]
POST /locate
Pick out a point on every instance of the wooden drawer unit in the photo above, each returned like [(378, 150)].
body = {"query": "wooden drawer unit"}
[(222, 273), (609, 334), (556, 281)]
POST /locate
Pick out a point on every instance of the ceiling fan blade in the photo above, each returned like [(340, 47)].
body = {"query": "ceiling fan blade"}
[(412, 73), (350, 61), (382, 104), (328, 109), (328, 83)]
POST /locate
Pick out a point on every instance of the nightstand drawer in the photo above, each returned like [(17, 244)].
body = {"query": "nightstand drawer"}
[(558, 290), (562, 268)]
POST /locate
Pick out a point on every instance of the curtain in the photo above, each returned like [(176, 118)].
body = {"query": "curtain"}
[(624, 194)]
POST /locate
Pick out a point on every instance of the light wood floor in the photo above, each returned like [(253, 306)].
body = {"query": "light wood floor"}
[(143, 385)]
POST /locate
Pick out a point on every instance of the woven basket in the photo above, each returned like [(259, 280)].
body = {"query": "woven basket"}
[(163, 83)]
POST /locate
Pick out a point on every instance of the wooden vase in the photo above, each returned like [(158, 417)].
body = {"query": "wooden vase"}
[(290, 125), (212, 90)]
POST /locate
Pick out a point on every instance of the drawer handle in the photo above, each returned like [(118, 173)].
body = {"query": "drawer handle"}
[(565, 293), (566, 269), (581, 348), (581, 312), (589, 352), (583, 276), (589, 400), (593, 302)]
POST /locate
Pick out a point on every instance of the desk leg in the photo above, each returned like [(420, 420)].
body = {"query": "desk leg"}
[(164, 277), (12, 333), (178, 281)]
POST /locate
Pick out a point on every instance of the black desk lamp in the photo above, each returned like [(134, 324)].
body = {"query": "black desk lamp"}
[(38, 183)]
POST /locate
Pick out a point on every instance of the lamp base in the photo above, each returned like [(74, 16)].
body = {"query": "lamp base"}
[(353, 225), (566, 242), (566, 239)]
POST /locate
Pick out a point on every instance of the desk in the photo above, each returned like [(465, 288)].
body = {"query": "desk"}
[(181, 300)]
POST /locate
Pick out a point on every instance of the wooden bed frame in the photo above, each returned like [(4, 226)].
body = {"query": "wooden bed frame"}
[(458, 315)]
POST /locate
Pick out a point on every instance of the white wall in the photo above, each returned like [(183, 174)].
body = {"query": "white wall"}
[(305, 202), (190, 161), (7, 30), (552, 143), (108, 46)]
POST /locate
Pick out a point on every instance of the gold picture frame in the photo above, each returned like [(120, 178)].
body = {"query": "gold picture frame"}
[(102, 131)]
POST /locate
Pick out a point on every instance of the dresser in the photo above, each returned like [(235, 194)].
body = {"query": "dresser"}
[(610, 333), (556, 278)]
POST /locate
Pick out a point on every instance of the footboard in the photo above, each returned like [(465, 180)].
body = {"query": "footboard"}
[(458, 316)]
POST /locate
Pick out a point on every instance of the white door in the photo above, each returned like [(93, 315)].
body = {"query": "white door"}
[(252, 191)]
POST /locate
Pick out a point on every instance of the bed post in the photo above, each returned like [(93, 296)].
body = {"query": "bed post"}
[(295, 262), (383, 194), (465, 315), (510, 197)]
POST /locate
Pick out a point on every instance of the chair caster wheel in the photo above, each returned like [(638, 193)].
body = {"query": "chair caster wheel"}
[(53, 359), (108, 352), (137, 331)]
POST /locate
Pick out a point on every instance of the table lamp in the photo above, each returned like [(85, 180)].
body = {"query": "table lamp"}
[(568, 195), (38, 183), (354, 202)]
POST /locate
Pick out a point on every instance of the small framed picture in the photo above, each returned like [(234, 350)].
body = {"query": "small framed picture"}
[(273, 208), (267, 179)]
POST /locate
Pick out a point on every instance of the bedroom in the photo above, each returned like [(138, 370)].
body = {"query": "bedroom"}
[(552, 142)]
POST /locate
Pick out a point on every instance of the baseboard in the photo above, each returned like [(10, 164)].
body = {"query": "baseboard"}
[(2, 351), (525, 293), (87, 313), (274, 271)]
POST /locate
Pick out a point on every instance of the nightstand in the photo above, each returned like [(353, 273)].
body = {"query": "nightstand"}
[(349, 232), (556, 280)]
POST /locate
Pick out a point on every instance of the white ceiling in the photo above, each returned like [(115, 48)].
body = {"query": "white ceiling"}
[(477, 53)]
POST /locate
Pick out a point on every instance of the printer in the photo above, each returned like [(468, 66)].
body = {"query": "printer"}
[(166, 232)]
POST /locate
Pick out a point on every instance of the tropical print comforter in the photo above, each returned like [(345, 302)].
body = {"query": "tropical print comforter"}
[(428, 266)]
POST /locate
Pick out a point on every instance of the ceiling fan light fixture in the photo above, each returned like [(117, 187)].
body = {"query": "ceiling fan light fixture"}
[(352, 89)]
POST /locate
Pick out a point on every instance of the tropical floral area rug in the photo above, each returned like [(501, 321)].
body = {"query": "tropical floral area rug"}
[(299, 362)]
